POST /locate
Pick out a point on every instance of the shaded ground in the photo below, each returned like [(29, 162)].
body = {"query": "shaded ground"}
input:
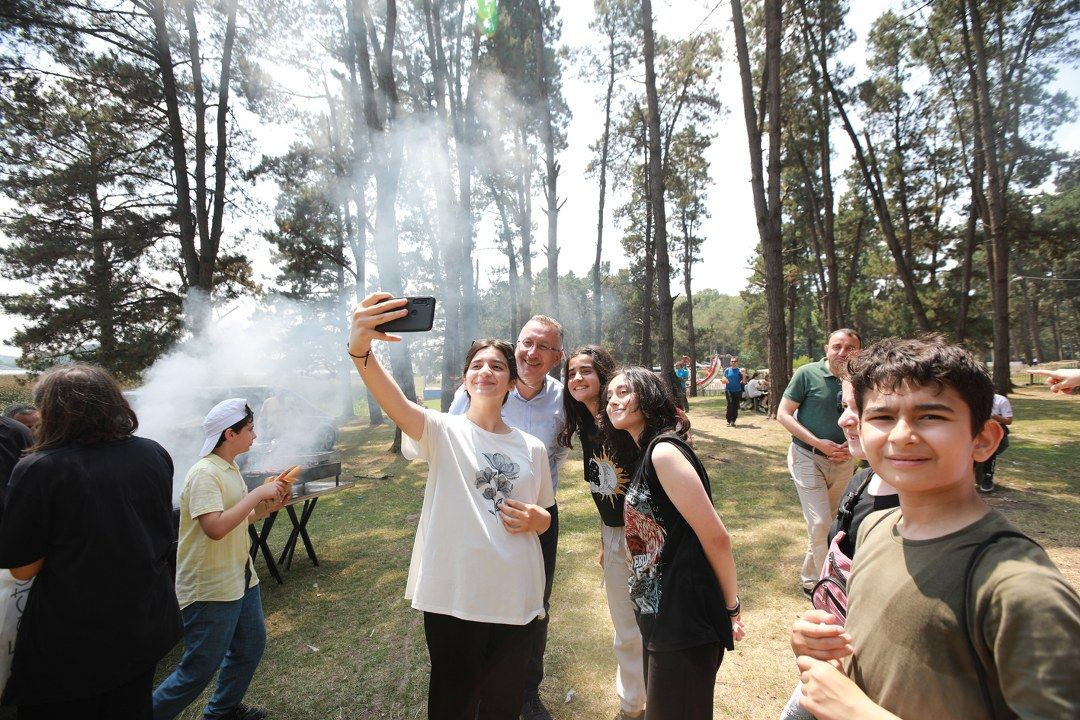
[(343, 642)]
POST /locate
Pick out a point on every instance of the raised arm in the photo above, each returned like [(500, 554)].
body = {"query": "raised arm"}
[(377, 308), (683, 486)]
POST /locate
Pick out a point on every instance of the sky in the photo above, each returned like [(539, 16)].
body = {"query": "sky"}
[(730, 232)]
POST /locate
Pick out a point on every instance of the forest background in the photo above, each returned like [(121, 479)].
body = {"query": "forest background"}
[(165, 162)]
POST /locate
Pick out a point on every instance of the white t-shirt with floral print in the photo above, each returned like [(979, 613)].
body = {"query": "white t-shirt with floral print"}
[(464, 562)]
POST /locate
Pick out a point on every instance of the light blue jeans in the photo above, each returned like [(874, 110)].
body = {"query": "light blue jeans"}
[(226, 635)]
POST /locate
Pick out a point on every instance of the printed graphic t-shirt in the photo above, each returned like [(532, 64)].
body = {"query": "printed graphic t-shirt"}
[(607, 483), (464, 562), (677, 598)]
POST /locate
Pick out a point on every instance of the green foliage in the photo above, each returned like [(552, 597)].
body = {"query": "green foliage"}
[(84, 227)]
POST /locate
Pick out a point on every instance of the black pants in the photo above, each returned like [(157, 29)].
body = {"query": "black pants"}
[(477, 668), (130, 701), (679, 683), (986, 469), (733, 400), (549, 543)]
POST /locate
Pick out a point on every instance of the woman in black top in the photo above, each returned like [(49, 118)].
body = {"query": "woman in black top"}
[(89, 516), (588, 370), (683, 581)]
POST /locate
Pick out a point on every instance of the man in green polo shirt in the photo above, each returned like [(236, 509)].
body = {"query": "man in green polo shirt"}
[(818, 458)]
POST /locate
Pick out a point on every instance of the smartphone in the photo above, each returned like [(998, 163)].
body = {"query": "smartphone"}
[(420, 318)]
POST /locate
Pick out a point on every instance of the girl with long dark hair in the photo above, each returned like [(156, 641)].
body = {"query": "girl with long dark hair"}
[(588, 370), (683, 582), (476, 572), (89, 516)]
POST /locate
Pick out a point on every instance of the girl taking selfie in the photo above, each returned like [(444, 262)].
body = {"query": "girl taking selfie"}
[(476, 571)]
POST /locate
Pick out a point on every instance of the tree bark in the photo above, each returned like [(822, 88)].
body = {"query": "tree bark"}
[(996, 190), (381, 111), (598, 305), (872, 177), (767, 208), (656, 186), (551, 176)]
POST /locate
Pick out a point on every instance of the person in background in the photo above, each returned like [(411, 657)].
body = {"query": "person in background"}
[(28, 415), (588, 370), (477, 570), (818, 458), (216, 584), (1002, 414), (682, 380), (906, 650), (535, 406), (89, 517), (754, 391), (733, 379), (683, 581)]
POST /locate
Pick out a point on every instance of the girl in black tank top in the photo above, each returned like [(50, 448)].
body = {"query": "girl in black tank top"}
[(683, 581)]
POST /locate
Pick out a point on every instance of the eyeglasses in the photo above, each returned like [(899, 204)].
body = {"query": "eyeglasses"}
[(840, 407), (528, 345)]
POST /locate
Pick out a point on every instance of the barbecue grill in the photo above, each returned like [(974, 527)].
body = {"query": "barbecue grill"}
[(257, 466)]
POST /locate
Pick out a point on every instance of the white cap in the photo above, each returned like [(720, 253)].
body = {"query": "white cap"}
[(223, 416)]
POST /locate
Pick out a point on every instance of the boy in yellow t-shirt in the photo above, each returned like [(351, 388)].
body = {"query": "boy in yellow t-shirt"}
[(216, 584)]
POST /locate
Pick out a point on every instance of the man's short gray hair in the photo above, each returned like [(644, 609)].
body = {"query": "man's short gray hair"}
[(550, 322)]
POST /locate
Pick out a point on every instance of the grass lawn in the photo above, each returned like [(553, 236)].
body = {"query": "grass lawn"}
[(343, 642)]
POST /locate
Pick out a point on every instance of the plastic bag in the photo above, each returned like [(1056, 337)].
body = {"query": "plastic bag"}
[(13, 596)]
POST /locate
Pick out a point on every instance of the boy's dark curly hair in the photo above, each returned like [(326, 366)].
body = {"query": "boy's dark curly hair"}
[(656, 403), (578, 417), (889, 364)]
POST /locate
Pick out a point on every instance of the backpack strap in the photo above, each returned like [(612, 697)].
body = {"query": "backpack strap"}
[(847, 504), (967, 613)]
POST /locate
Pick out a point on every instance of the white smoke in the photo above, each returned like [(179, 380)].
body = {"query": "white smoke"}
[(277, 347)]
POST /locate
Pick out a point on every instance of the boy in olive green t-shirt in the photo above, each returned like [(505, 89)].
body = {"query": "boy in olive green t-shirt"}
[(216, 585), (925, 410)]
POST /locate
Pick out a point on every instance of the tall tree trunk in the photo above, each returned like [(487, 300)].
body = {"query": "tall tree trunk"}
[(598, 305), (448, 214), (524, 213), (551, 174), (664, 300), (511, 261), (100, 273), (381, 111), (691, 336), (767, 208), (996, 191), (966, 262), (868, 167), (361, 135), (189, 254), (1059, 353), (337, 157), (645, 352), (1031, 312)]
